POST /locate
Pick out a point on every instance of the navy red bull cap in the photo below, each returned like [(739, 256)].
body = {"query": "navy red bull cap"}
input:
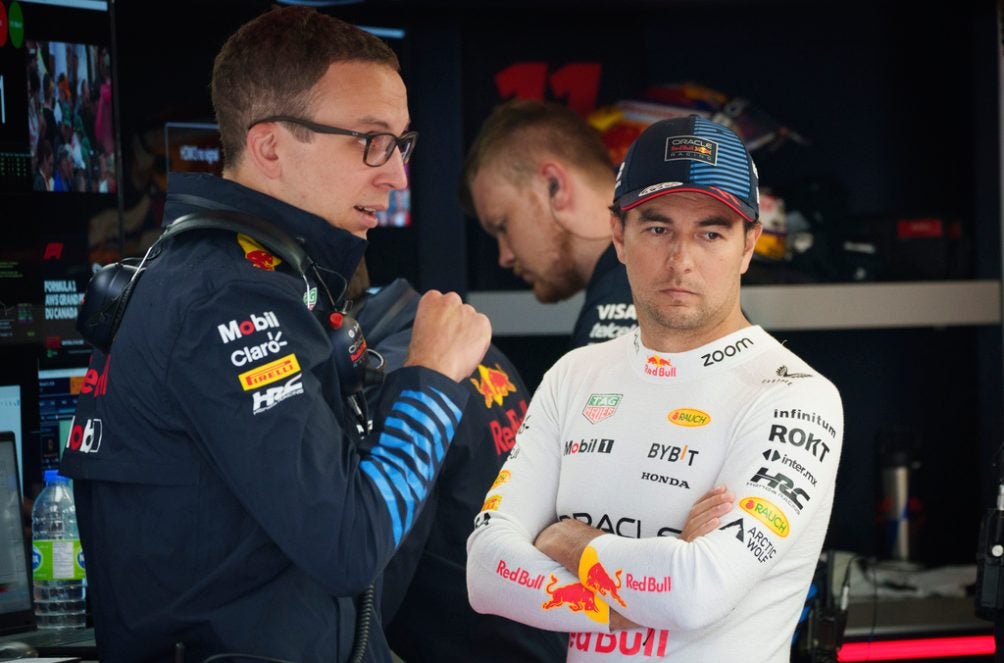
[(689, 154)]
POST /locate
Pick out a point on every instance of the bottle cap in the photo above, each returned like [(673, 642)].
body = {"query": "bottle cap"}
[(53, 476)]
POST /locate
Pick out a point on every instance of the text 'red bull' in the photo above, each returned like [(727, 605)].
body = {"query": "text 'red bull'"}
[(519, 576), (629, 643), (663, 368)]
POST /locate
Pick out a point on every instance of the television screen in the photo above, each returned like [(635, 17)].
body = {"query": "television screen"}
[(65, 272), (58, 150), (56, 99)]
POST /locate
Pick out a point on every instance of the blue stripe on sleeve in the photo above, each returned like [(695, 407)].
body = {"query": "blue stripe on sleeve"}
[(402, 443), (410, 443), (436, 408), (371, 470), (400, 484), (434, 432), (454, 410)]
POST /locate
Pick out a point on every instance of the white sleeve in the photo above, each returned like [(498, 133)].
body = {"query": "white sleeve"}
[(506, 574), (780, 518)]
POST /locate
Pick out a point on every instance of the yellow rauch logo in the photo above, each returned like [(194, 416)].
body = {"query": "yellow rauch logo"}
[(501, 479), (689, 417), (767, 513)]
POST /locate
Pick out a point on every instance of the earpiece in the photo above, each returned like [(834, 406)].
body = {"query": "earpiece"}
[(553, 187)]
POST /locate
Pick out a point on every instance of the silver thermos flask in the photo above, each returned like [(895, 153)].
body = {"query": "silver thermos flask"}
[(897, 461)]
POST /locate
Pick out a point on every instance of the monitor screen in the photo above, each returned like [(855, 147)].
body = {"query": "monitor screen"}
[(10, 419), (193, 147), (56, 99), (58, 390), (58, 151), (15, 587)]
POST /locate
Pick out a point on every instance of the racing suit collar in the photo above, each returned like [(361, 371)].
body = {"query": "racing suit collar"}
[(332, 248)]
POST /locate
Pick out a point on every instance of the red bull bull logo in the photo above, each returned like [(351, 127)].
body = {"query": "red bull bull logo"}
[(600, 581), (494, 384), (256, 254), (596, 577), (659, 367), (692, 147), (578, 599)]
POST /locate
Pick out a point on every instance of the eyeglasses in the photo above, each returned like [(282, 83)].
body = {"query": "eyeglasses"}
[(383, 143)]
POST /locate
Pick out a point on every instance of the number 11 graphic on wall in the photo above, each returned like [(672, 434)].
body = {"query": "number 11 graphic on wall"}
[(576, 82)]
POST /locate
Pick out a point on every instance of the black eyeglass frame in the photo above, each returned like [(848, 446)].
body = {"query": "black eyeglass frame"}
[(405, 143)]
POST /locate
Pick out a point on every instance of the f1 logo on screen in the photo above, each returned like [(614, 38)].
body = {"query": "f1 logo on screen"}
[(576, 82)]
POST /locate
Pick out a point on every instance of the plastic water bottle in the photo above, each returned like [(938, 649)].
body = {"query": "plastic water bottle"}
[(57, 559)]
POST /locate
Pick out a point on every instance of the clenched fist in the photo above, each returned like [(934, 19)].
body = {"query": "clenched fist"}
[(448, 336)]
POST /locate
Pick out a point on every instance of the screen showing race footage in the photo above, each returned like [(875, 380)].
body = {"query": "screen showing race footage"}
[(57, 126)]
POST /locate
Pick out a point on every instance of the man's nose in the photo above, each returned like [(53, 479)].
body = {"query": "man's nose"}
[(506, 257), (393, 172), (679, 255)]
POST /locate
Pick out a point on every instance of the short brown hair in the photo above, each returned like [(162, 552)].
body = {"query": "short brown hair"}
[(270, 64), (519, 130)]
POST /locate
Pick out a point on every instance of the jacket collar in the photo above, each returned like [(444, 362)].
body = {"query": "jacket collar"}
[(332, 248)]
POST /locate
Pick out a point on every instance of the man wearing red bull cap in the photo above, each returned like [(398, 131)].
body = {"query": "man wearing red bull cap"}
[(621, 436)]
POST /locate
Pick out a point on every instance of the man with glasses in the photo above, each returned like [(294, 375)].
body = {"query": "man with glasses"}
[(230, 498)]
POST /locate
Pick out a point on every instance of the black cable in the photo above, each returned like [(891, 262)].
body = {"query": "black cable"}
[(827, 625), (363, 620), (845, 588)]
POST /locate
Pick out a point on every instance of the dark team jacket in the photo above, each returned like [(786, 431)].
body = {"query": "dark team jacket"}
[(225, 498), (608, 310), (425, 607)]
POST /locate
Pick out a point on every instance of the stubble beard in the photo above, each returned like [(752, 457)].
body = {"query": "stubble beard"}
[(562, 279), (676, 318)]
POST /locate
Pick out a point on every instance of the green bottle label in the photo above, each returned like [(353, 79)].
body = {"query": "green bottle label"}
[(57, 560)]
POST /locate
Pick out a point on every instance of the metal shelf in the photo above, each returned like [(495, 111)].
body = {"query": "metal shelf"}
[(787, 307)]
